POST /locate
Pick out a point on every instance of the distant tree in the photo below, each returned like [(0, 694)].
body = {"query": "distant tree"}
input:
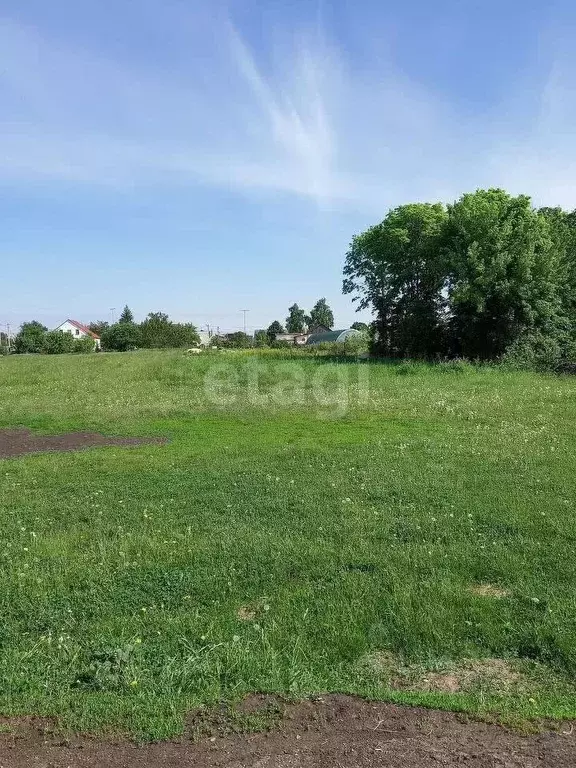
[(121, 337), (321, 314), (274, 329), (126, 316), (30, 337), (261, 338), (159, 332), (98, 326), (296, 320), (57, 343), (358, 326)]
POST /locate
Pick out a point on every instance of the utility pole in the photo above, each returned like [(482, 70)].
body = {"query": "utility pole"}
[(244, 313), (112, 310)]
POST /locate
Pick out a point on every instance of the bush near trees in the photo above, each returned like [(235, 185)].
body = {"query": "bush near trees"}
[(121, 337), (235, 340), (58, 343), (487, 278), (261, 338), (158, 331)]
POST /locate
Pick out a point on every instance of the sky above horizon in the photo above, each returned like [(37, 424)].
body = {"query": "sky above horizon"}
[(201, 158)]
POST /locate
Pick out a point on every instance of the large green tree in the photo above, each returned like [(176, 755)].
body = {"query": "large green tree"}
[(321, 314), (296, 320), (504, 268), (30, 338), (396, 268)]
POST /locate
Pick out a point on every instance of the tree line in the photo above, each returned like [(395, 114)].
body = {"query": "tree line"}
[(488, 277), (157, 331), (298, 321)]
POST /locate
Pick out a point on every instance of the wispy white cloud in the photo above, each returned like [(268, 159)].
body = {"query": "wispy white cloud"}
[(300, 121)]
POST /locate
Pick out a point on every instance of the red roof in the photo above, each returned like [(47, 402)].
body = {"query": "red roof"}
[(83, 328)]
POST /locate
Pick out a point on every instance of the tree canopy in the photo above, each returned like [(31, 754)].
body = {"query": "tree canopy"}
[(121, 337), (30, 338), (482, 278), (126, 316), (296, 320), (321, 314), (273, 329), (158, 331)]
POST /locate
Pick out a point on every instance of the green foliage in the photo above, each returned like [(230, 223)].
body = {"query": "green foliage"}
[(98, 326), (490, 277), (159, 332), (273, 329), (396, 268), (30, 337), (235, 340), (358, 326), (84, 345), (503, 273), (57, 343), (121, 337), (321, 314), (261, 339), (296, 320), (126, 316)]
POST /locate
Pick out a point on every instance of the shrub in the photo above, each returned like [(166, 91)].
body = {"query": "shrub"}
[(57, 343), (84, 346), (121, 337)]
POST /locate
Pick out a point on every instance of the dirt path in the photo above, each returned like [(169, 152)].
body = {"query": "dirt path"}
[(20, 441), (334, 732)]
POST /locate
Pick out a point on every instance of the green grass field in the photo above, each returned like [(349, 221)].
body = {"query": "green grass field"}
[(321, 531)]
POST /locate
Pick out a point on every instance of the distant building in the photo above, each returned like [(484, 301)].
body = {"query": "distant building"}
[(205, 338), (302, 338), (79, 331), (333, 336)]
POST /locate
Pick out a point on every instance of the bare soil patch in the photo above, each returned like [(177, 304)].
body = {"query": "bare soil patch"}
[(489, 590), (21, 441), (329, 732), (488, 675)]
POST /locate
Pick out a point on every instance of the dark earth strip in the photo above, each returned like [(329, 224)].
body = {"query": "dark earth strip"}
[(20, 441), (331, 732)]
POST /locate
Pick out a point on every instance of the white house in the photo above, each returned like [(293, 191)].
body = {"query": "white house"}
[(79, 331)]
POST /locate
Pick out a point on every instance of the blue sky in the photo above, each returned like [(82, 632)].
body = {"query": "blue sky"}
[(205, 157)]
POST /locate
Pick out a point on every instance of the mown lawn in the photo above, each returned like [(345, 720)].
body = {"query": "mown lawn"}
[(326, 534)]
